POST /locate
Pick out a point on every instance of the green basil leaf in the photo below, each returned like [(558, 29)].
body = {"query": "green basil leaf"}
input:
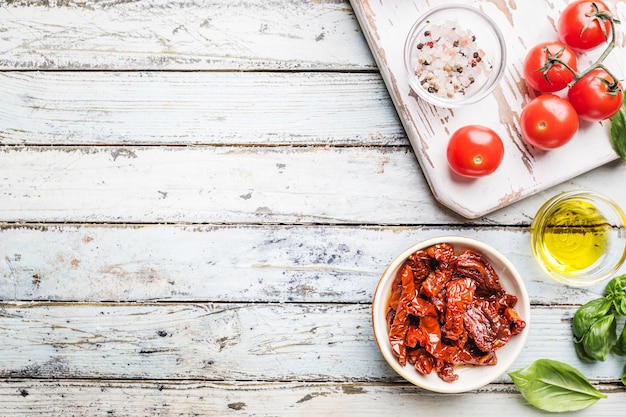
[(555, 386), (580, 351), (620, 345), (601, 337), (616, 292), (588, 314), (620, 305), (616, 287), (624, 376), (618, 132)]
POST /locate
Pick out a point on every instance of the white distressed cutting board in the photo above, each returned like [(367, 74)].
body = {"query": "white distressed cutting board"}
[(524, 170)]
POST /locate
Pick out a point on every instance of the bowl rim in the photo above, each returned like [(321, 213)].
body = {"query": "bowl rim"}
[(540, 217), (488, 373), (473, 98)]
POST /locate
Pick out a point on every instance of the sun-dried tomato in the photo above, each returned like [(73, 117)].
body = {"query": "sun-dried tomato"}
[(460, 296), (394, 299), (413, 334), (419, 262), (420, 307), (446, 372), (441, 252), (473, 265), (436, 281), (486, 326), (471, 355), (399, 326), (517, 323), (422, 360), (430, 337), (446, 310)]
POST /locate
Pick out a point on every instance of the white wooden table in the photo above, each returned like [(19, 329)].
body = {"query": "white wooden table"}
[(197, 199)]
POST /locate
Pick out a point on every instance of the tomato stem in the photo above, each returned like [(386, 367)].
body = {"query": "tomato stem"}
[(553, 59), (597, 16), (601, 17)]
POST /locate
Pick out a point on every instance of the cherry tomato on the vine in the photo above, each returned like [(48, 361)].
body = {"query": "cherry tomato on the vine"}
[(581, 27), (475, 151), (596, 96), (548, 122), (552, 78)]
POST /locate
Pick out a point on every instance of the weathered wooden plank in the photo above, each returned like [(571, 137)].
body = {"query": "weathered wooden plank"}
[(212, 185), (232, 263), (231, 341), (196, 108), (319, 184), (167, 398), (181, 34)]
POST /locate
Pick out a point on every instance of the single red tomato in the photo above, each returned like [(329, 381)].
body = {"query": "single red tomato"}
[(475, 151), (583, 27), (548, 122), (549, 79), (596, 96)]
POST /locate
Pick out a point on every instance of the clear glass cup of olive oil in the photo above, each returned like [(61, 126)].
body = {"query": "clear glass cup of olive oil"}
[(579, 237)]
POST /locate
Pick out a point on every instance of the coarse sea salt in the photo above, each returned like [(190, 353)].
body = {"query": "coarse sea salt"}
[(448, 60)]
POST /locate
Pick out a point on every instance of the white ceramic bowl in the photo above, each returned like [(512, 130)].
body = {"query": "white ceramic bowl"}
[(470, 377), (488, 39)]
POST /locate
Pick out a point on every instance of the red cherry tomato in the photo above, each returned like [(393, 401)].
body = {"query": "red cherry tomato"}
[(548, 122), (581, 28), (474, 151), (596, 96), (555, 78)]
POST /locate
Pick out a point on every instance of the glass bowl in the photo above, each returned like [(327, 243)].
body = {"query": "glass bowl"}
[(454, 55), (579, 237), (469, 377)]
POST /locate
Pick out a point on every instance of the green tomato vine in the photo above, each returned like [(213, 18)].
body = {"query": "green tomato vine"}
[(618, 120)]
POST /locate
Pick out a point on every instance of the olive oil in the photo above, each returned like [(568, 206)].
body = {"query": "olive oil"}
[(579, 237), (574, 238)]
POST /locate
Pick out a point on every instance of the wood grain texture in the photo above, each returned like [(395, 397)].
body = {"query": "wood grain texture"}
[(232, 341), (197, 200), (233, 263), (168, 399), (188, 108), (224, 184), (181, 35)]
